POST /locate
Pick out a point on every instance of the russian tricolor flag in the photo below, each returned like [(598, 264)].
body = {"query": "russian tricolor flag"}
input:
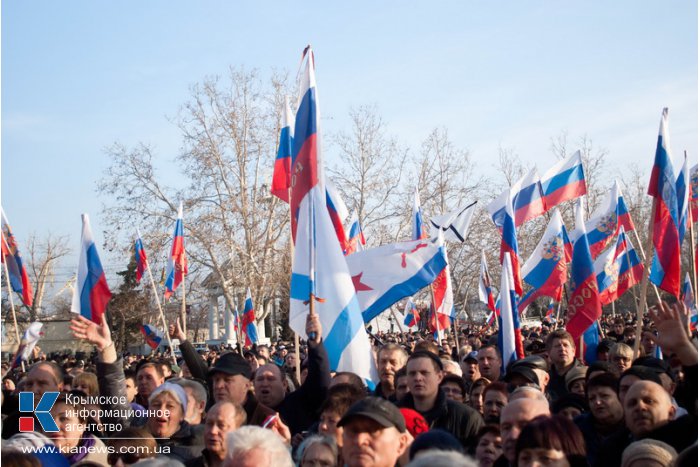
[(411, 315), (152, 335), (249, 328), (564, 182), (546, 269), (617, 269), (140, 257), (418, 230), (526, 201), (91, 294), (509, 338), (607, 219), (177, 262), (666, 263), (694, 193), (17, 272), (683, 193), (282, 175), (584, 306), (356, 237), (485, 292), (688, 299), (338, 212), (501, 211)]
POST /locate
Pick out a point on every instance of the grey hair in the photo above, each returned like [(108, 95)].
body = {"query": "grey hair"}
[(198, 390), (438, 458), (454, 366), (250, 437), (327, 441), (528, 392)]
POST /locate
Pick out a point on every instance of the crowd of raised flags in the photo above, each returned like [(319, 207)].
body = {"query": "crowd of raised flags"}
[(335, 276)]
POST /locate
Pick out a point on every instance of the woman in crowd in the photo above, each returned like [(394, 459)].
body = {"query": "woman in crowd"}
[(318, 451), (476, 394), (87, 383), (489, 447), (552, 441), (72, 437)]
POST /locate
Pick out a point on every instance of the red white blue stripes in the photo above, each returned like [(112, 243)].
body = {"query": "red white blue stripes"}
[(248, 322), (564, 182), (139, 257), (509, 338), (617, 269), (91, 294), (177, 262), (17, 272), (282, 175), (666, 262)]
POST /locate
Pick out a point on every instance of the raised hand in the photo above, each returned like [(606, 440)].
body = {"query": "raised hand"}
[(673, 332), (86, 330)]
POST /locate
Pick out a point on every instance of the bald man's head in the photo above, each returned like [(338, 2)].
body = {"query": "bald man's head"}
[(647, 407), (514, 416)]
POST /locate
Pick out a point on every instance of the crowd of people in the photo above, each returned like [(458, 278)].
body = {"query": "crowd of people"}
[(436, 403)]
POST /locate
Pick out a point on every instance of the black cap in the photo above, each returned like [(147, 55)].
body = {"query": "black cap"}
[(535, 346), (642, 372), (232, 364), (380, 410), (605, 345), (523, 371), (534, 362), (657, 365)]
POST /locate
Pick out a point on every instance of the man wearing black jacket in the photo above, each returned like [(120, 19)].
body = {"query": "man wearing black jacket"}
[(298, 409), (425, 372)]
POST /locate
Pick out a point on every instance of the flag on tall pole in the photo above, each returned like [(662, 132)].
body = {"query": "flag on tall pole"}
[(617, 269), (91, 293), (152, 335), (683, 193), (356, 237), (546, 269), (454, 225), (248, 322), (688, 299), (177, 262), (524, 198), (666, 261), (485, 292), (607, 219), (282, 174), (584, 306), (509, 338), (338, 212), (17, 272), (411, 315), (564, 182), (693, 202), (501, 211), (140, 257), (418, 230), (319, 271)]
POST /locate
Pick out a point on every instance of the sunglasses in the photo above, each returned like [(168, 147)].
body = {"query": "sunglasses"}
[(127, 458)]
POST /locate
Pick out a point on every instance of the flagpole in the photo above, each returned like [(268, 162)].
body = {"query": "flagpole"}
[(160, 311), (12, 302), (183, 310), (645, 282), (641, 249), (692, 255), (297, 351), (556, 324)]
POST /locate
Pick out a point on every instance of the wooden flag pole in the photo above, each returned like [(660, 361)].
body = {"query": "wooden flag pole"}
[(183, 310), (645, 282), (12, 305), (297, 351), (160, 311)]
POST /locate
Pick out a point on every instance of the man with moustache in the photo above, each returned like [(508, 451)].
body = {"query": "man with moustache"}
[(223, 418), (390, 358)]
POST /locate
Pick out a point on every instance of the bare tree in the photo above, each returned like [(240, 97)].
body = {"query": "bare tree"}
[(43, 255), (368, 175)]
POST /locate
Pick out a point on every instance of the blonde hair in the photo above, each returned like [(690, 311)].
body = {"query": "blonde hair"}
[(90, 381)]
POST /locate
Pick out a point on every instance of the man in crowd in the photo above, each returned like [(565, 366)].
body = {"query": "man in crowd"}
[(515, 415), (390, 358), (561, 355), (490, 362), (223, 418), (425, 372), (374, 433), (299, 408), (470, 368)]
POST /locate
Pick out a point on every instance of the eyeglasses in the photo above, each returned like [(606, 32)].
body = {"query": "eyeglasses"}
[(127, 458)]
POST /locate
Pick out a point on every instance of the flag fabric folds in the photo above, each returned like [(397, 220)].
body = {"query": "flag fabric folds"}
[(177, 262), (29, 340), (666, 262), (17, 272), (319, 271), (525, 200), (384, 275), (693, 202), (591, 339), (688, 299), (418, 230), (140, 257), (564, 182), (485, 292), (282, 175), (584, 306), (411, 315), (505, 221), (683, 193), (338, 213), (356, 237), (617, 269), (454, 225), (546, 269), (91, 293), (607, 219), (152, 335), (509, 339), (248, 321)]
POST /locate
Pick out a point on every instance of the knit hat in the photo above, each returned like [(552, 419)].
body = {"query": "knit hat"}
[(649, 449), (415, 422), (175, 390)]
